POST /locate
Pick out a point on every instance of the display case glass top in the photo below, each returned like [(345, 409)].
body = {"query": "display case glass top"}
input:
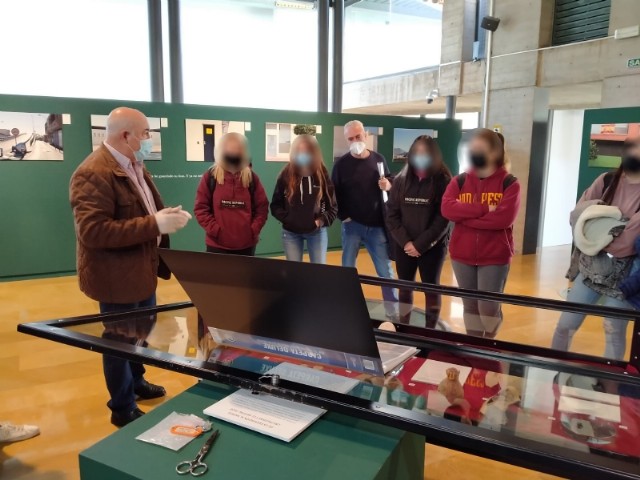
[(570, 415)]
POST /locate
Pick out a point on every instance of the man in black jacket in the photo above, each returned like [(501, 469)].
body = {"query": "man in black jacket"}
[(361, 179)]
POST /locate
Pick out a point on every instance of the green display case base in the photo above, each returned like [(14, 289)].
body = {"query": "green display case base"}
[(335, 447)]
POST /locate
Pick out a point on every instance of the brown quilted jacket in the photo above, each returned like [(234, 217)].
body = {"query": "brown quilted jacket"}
[(117, 247)]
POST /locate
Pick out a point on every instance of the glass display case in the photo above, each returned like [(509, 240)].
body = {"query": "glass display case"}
[(567, 414)]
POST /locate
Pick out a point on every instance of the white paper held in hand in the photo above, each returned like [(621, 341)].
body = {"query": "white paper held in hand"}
[(385, 195)]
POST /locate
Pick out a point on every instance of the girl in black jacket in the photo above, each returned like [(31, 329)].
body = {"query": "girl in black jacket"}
[(414, 220), (304, 201)]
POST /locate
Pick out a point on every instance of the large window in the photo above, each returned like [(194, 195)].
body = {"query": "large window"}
[(249, 54), (389, 36), (76, 48), (579, 20)]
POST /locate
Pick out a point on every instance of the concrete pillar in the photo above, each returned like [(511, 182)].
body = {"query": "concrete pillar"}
[(522, 113)]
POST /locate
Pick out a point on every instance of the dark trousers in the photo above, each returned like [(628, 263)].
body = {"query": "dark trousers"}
[(430, 266), (122, 376), (247, 252)]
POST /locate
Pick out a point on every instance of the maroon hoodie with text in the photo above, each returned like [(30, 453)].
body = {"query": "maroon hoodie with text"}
[(481, 237), (233, 215)]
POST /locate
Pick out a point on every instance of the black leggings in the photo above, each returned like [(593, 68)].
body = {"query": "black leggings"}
[(430, 266)]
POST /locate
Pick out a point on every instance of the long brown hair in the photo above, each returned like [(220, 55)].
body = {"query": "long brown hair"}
[(291, 174), (496, 142), (609, 193)]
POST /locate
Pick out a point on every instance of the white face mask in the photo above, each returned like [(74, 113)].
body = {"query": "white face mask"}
[(356, 148)]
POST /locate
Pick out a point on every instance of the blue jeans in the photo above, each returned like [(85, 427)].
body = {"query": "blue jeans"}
[(317, 243), (615, 329), (122, 376), (375, 241)]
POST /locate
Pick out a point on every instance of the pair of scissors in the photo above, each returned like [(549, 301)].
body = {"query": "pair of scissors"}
[(197, 467)]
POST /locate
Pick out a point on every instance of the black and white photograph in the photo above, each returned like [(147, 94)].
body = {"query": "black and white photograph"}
[(203, 136), (98, 134), (31, 136)]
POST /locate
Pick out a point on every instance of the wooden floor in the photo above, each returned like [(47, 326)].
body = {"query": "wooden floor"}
[(62, 390)]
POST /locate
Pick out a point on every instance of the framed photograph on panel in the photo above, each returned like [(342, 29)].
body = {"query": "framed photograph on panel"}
[(279, 137), (203, 136), (403, 138), (31, 136), (607, 143), (341, 146), (98, 134)]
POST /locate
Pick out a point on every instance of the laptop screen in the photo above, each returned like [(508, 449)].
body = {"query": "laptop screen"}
[(302, 310)]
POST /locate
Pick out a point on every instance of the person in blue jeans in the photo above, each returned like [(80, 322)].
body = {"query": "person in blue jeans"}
[(621, 189), (361, 191), (304, 201)]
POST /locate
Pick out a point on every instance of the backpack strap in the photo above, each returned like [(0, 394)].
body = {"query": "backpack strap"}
[(607, 180), (461, 179), (508, 181), (212, 188)]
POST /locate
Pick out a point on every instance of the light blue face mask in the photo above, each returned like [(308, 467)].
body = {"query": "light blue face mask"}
[(302, 159), (421, 161), (146, 145)]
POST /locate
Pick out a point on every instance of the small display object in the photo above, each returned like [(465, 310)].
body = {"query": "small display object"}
[(280, 136), (203, 136), (606, 143), (451, 387), (341, 146), (31, 136), (99, 128), (404, 137)]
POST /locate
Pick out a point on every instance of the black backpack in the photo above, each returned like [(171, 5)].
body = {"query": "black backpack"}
[(508, 181), (213, 183)]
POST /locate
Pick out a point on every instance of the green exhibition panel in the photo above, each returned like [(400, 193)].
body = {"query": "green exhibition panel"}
[(37, 228), (336, 446)]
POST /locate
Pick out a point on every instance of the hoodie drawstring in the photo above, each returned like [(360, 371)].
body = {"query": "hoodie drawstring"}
[(302, 190)]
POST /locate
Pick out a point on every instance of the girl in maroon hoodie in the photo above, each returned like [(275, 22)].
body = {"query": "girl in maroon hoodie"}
[(231, 204), (483, 203)]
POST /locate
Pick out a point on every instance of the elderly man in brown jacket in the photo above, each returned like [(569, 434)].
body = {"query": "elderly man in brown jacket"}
[(120, 221)]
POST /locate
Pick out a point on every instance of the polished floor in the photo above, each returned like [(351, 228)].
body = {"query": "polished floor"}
[(62, 390)]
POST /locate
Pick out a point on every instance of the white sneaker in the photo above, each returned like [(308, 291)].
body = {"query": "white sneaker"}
[(15, 433)]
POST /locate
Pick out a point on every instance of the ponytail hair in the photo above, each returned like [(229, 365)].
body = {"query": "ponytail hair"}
[(497, 143)]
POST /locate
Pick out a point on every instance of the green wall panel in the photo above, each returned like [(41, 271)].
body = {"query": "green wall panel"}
[(37, 237), (604, 115)]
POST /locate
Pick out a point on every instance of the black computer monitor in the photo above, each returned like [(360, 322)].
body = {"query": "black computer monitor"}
[(302, 310)]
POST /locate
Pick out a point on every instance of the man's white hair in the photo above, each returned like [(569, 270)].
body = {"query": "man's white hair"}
[(352, 124)]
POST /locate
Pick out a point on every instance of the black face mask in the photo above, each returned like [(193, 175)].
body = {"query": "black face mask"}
[(631, 163), (478, 160), (233, 160)]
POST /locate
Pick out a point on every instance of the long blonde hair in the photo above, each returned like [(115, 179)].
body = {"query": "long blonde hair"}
[(219, 168)]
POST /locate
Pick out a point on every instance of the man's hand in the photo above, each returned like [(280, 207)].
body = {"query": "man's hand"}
[(411, 250), (384, 184), (170, 220), (319, 223)]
